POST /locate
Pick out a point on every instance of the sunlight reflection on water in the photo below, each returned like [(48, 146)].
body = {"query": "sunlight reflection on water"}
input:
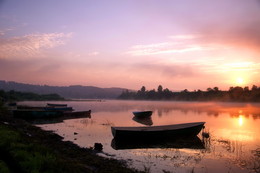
[(240, 120), (233, 127)]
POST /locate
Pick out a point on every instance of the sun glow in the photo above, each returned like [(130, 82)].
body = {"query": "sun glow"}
[(240, 81)]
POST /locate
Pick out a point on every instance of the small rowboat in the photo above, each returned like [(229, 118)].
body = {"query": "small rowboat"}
[(25, 107), (58, 108), (141, 114), (59, 119), (47, 108), (35, 113), (152, 132), (47, 114), (56, 105)]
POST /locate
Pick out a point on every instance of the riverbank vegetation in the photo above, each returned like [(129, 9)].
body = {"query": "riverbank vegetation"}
[(234, 94), (25, 148), (21, 96)]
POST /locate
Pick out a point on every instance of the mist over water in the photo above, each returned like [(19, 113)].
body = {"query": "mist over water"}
[(233, 145)]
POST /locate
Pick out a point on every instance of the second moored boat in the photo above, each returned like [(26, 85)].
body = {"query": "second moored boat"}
[(142, 114)]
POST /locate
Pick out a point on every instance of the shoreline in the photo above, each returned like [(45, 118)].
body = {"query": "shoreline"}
[(83, 159)]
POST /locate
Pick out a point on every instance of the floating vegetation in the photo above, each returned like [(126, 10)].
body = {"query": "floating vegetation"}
[(87, 121), (108, 123), (256, 152)]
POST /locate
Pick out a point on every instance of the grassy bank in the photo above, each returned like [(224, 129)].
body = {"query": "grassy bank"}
[(26, 148)]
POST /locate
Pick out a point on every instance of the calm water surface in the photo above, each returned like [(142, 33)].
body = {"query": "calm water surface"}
[(233, 145)]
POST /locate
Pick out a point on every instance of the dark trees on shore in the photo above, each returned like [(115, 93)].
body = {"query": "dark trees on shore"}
[(236, 94), (20, 96)]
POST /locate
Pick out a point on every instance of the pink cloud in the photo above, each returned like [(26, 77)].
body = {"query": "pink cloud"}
[(178, 44), (30, 45)]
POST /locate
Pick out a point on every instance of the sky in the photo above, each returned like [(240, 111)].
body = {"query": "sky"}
[(179, 44)]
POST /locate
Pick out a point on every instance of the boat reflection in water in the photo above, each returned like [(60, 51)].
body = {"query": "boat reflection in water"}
[(66, 116), (178, 143), (145, 121)]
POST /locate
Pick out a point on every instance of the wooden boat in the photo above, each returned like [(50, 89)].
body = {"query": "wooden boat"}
[(59, 108), (25, 107), (56, 105), (31, 112), (12, 104), (34, 113), (59, 119), (141, 114), (20, 107), (48, 114), (152, 132), (192, 143)]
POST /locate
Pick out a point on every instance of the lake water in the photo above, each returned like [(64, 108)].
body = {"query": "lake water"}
[(233, 145)]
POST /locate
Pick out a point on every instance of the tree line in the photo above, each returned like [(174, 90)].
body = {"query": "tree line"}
[(8, 96), (234, 94)]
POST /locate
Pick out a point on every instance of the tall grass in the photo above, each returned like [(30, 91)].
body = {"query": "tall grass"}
[(24, 156)]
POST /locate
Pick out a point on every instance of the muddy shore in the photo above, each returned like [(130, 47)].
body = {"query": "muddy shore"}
[(73, 156)]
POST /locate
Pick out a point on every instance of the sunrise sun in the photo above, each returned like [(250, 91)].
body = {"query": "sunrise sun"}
[(240, 81)]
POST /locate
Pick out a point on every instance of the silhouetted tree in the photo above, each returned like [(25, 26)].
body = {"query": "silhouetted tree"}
[(254, 88), (216, 89), (160, 89), (185, 91), (231, 88), (236, 93), (143, 89), (209, 89), (246, 89), (151, 94)]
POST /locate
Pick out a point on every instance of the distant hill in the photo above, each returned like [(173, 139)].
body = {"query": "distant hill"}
[(73, 91)]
